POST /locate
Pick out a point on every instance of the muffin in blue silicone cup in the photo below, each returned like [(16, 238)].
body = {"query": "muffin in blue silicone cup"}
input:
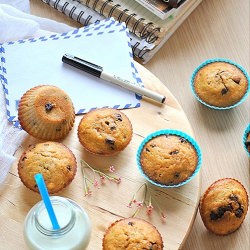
[(246, 139), (220, 83), (169, 158)]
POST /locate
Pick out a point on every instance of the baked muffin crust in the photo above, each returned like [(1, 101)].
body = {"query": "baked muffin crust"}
[(130, 234), (168, 159), (53, 160), (105, 131), (46, 112), (223, 206), (220, 84)]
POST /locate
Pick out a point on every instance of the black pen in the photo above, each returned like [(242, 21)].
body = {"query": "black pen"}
[(98, 71)]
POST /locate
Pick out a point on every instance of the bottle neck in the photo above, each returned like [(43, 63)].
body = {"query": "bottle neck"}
[(65, 215)]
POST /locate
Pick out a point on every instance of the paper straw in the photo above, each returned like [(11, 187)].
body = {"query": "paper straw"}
[(45, 196)]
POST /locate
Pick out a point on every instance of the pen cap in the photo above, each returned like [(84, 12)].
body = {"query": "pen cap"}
[(83, 65)]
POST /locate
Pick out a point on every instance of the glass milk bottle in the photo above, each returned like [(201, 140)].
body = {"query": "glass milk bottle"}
[(74, 232)]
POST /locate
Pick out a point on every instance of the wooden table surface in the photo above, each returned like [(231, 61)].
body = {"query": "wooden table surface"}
[(110, 202), (214, 29)]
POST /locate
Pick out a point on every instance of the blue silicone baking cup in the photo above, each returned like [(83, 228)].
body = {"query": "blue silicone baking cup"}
[(219, 60), (247, 131), (169, 132)]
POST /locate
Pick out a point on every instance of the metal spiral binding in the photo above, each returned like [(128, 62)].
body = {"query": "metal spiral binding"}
[(80, 16), (121, 14), (142, 52), (94, 5), (129, 17), (113, 9), (72, 11), (144, 33), (56, 4), (150, 36), (64, 7), (103, 6), (137, 23)]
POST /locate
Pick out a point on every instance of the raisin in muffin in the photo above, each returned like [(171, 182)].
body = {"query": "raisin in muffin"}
[(223, 206), (168, 159), (132, 233), (53, 160), (105, 131), (220, 84), (46, 112)]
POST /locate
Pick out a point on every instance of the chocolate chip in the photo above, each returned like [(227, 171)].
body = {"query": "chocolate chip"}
[(48, 107), (107, 122), (110, 141), (175, 152), (152, 145), (238, 213), (224, 91), (233, 197), (112, 128), (183, 140), (213, 216), (176, 175), (236, 79), (46, 168), (220, 212), (58, 129), (69, 168), (147, 150), (130, 223), (118, 117), (24, 158)]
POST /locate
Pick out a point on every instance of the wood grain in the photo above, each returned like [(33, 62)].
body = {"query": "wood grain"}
[(109, 203), (214, 29)]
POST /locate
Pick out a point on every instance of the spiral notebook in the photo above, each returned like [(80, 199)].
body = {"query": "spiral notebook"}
[(148, 32), (31, 62)]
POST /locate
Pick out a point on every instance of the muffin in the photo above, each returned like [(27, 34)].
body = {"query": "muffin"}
[(220, 83), (247, 142), (132, 233), (53, 160), (246, 139), (223, 206), (168, 158), (46, 112), (105, 131)]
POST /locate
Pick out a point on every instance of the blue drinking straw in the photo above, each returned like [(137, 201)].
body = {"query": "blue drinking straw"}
[(45, 195)]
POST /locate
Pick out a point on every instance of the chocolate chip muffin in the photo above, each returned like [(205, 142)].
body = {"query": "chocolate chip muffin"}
[(105, 131), (247, 142), (132, 233), (53, 160), (220, 84), (223, 206), (46, 112), (168, 159)]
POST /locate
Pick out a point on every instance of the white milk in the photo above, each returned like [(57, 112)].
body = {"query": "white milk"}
[(74, 232)]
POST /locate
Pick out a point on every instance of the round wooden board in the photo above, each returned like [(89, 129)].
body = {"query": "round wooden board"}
[(110, 201)]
